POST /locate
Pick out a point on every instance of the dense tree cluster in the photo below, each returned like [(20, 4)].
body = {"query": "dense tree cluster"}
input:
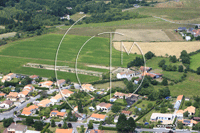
[(124, 125), (149, 55), (136, 62), (185, 57)]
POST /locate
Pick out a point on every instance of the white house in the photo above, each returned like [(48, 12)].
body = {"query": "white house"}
[(187, 38), (66, 93), (8, 77), (105, 107), (45, 103), (56, 99), (47, 84), (162, 117), (29, 88), (6, 104), (127, 74), (97, 117), (16, 128), (116, 119)]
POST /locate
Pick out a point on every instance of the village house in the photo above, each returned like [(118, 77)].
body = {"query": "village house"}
[(6, 104), (64, 130), (60, 83), (27, 111), (98, 117), (75, 109), (105, 107), (79, 116), (126, 74), (13, 96), (145, 69), (8, 77), (196, 32), (127, 113), (166, 118), (190, 110), (46, 84), (122, 95), (56, 99), (152, 75), (189, 123), (87, 88), (56, 113), (29, 88), (16, 128), (34, 77), (23, 94), (182, 29), (44, 103), (2, 94), (66, 93), (196, 118), (178, 102)]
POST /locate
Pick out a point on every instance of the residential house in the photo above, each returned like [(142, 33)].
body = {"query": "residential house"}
[(60, 83), (196, 33), (23, 94), (105, 107), (127, 113), (97, 131), (190, 110), (98, 117), (13, 96), (179, 98), (152, 75), (79, 116), (136, 81), (29, 88), (87, 88), (46, 84), (161, 117), (196, 118), (145, 69), (16, 128), (178, 102), (56, 99), (64, 130), (190, 30), (66, 93), (34, 77), (116, 119), (126, 74), (6, 104), (8, 77), (45, 103), (179, 114), (121, 95), (56, 113), (2, 94), (187, 38), (189, 123), (75, 109), (27, 111)]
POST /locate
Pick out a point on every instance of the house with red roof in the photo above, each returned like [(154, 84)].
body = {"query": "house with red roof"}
[(105, 107)]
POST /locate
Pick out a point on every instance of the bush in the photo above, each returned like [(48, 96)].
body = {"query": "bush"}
[(34, 117), (45, 128), (41, 88)]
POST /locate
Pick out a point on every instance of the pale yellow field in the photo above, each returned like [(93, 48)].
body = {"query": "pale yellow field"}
[(6, 35), (141, 35), (160, 48), (2, 27)]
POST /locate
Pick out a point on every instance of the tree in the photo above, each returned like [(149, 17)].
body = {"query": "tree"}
[(38, 125), (65, 125), (180, 68), (173, 59), (188, 103), (196, 127), (7, 122), (131, 124), (164, 82), (149, 55), (80, 107), (53, 124), (185, 114), (150, 105), (161, 63), (29, 121), (115, 108), (90, 125), (198, 70), (164, 67), (174, 68), (82, 129), (180, 125), (85, 111), (122, 123)]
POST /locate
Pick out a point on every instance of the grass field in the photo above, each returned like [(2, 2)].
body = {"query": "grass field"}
[(2, 27), (114, 84), (141, 35), (195, 61), (7, 35), (161, 48)]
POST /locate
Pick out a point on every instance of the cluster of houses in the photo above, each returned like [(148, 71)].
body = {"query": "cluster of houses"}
[(179, 114), (192, 31), (143, 71)]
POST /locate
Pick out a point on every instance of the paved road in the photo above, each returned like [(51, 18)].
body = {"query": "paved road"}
[(21, 106)]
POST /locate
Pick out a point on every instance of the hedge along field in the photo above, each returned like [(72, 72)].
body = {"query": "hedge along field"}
[(15, 65), (195, 61), (95, 51)]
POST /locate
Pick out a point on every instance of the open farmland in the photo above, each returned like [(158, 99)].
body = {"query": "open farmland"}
[(7, 35), (2, 27), (195, 61), (160, 48), (141, 35)]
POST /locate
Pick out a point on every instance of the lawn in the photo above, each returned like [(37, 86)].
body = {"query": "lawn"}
[(195, 61), (142, 105), (188, 88), (114, 84), (148, 116), (53, 129), (2, 128), (79, 129)]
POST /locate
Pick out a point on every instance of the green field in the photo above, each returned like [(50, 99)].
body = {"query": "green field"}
[(42, 50), (195, 61)]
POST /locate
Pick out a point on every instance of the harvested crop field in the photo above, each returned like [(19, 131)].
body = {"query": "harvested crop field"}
[(141, 35), (160, 48), (6, 35)]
